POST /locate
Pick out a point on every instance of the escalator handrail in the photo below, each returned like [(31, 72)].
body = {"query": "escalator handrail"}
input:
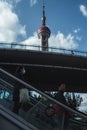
[(6, 82), (16, 119), (7, 85), (10, 87), (45, 95), (78, 122)]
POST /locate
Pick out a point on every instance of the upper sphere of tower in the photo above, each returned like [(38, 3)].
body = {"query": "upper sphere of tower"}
[(45, 30)]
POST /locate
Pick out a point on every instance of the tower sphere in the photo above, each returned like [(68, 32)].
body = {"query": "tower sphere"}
[(44, 30)]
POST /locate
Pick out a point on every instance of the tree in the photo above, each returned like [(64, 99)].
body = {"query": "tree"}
[(74, 100)]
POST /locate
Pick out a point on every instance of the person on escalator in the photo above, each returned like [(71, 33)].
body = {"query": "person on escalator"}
[(20, 71), (60, 94), (59, 110)]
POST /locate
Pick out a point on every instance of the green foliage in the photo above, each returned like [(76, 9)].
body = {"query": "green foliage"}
[(74, 100)]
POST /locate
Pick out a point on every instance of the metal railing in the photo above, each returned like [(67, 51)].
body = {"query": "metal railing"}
[(22, 46)]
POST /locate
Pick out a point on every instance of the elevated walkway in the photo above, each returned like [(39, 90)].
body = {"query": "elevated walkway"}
[(46, 69)]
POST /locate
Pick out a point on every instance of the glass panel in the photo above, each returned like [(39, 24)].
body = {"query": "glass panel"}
[(6, 95), (38, 108)]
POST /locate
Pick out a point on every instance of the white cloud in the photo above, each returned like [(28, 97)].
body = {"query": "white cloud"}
[(10, 27), (61, 41), (11, 1), (57, 41), (17, 1), (83, 9), (77, 30), (33, 2), (78, 38), (33, 40)]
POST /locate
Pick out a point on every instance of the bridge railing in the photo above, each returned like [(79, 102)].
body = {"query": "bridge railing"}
[(23, 46)]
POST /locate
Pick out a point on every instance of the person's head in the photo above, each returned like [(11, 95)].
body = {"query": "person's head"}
[(62, 87), (21, 70)]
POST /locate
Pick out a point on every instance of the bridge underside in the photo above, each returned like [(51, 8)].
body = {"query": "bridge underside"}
[(45, 70)]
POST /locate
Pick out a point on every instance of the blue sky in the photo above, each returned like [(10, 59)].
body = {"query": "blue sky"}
[(67, 20)]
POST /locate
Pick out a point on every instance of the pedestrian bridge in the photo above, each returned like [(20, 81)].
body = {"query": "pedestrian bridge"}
[(45, 69)]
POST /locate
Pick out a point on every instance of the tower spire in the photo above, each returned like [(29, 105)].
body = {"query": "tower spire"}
[(43, 16), (44, 32)]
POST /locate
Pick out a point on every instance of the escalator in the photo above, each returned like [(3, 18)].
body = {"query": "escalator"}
[(9, 120), (39, 111)]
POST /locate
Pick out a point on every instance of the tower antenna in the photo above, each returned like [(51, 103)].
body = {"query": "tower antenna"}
[(43, 16)]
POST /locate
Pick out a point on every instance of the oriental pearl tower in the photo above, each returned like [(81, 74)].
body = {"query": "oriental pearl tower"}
[(44, 32)]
